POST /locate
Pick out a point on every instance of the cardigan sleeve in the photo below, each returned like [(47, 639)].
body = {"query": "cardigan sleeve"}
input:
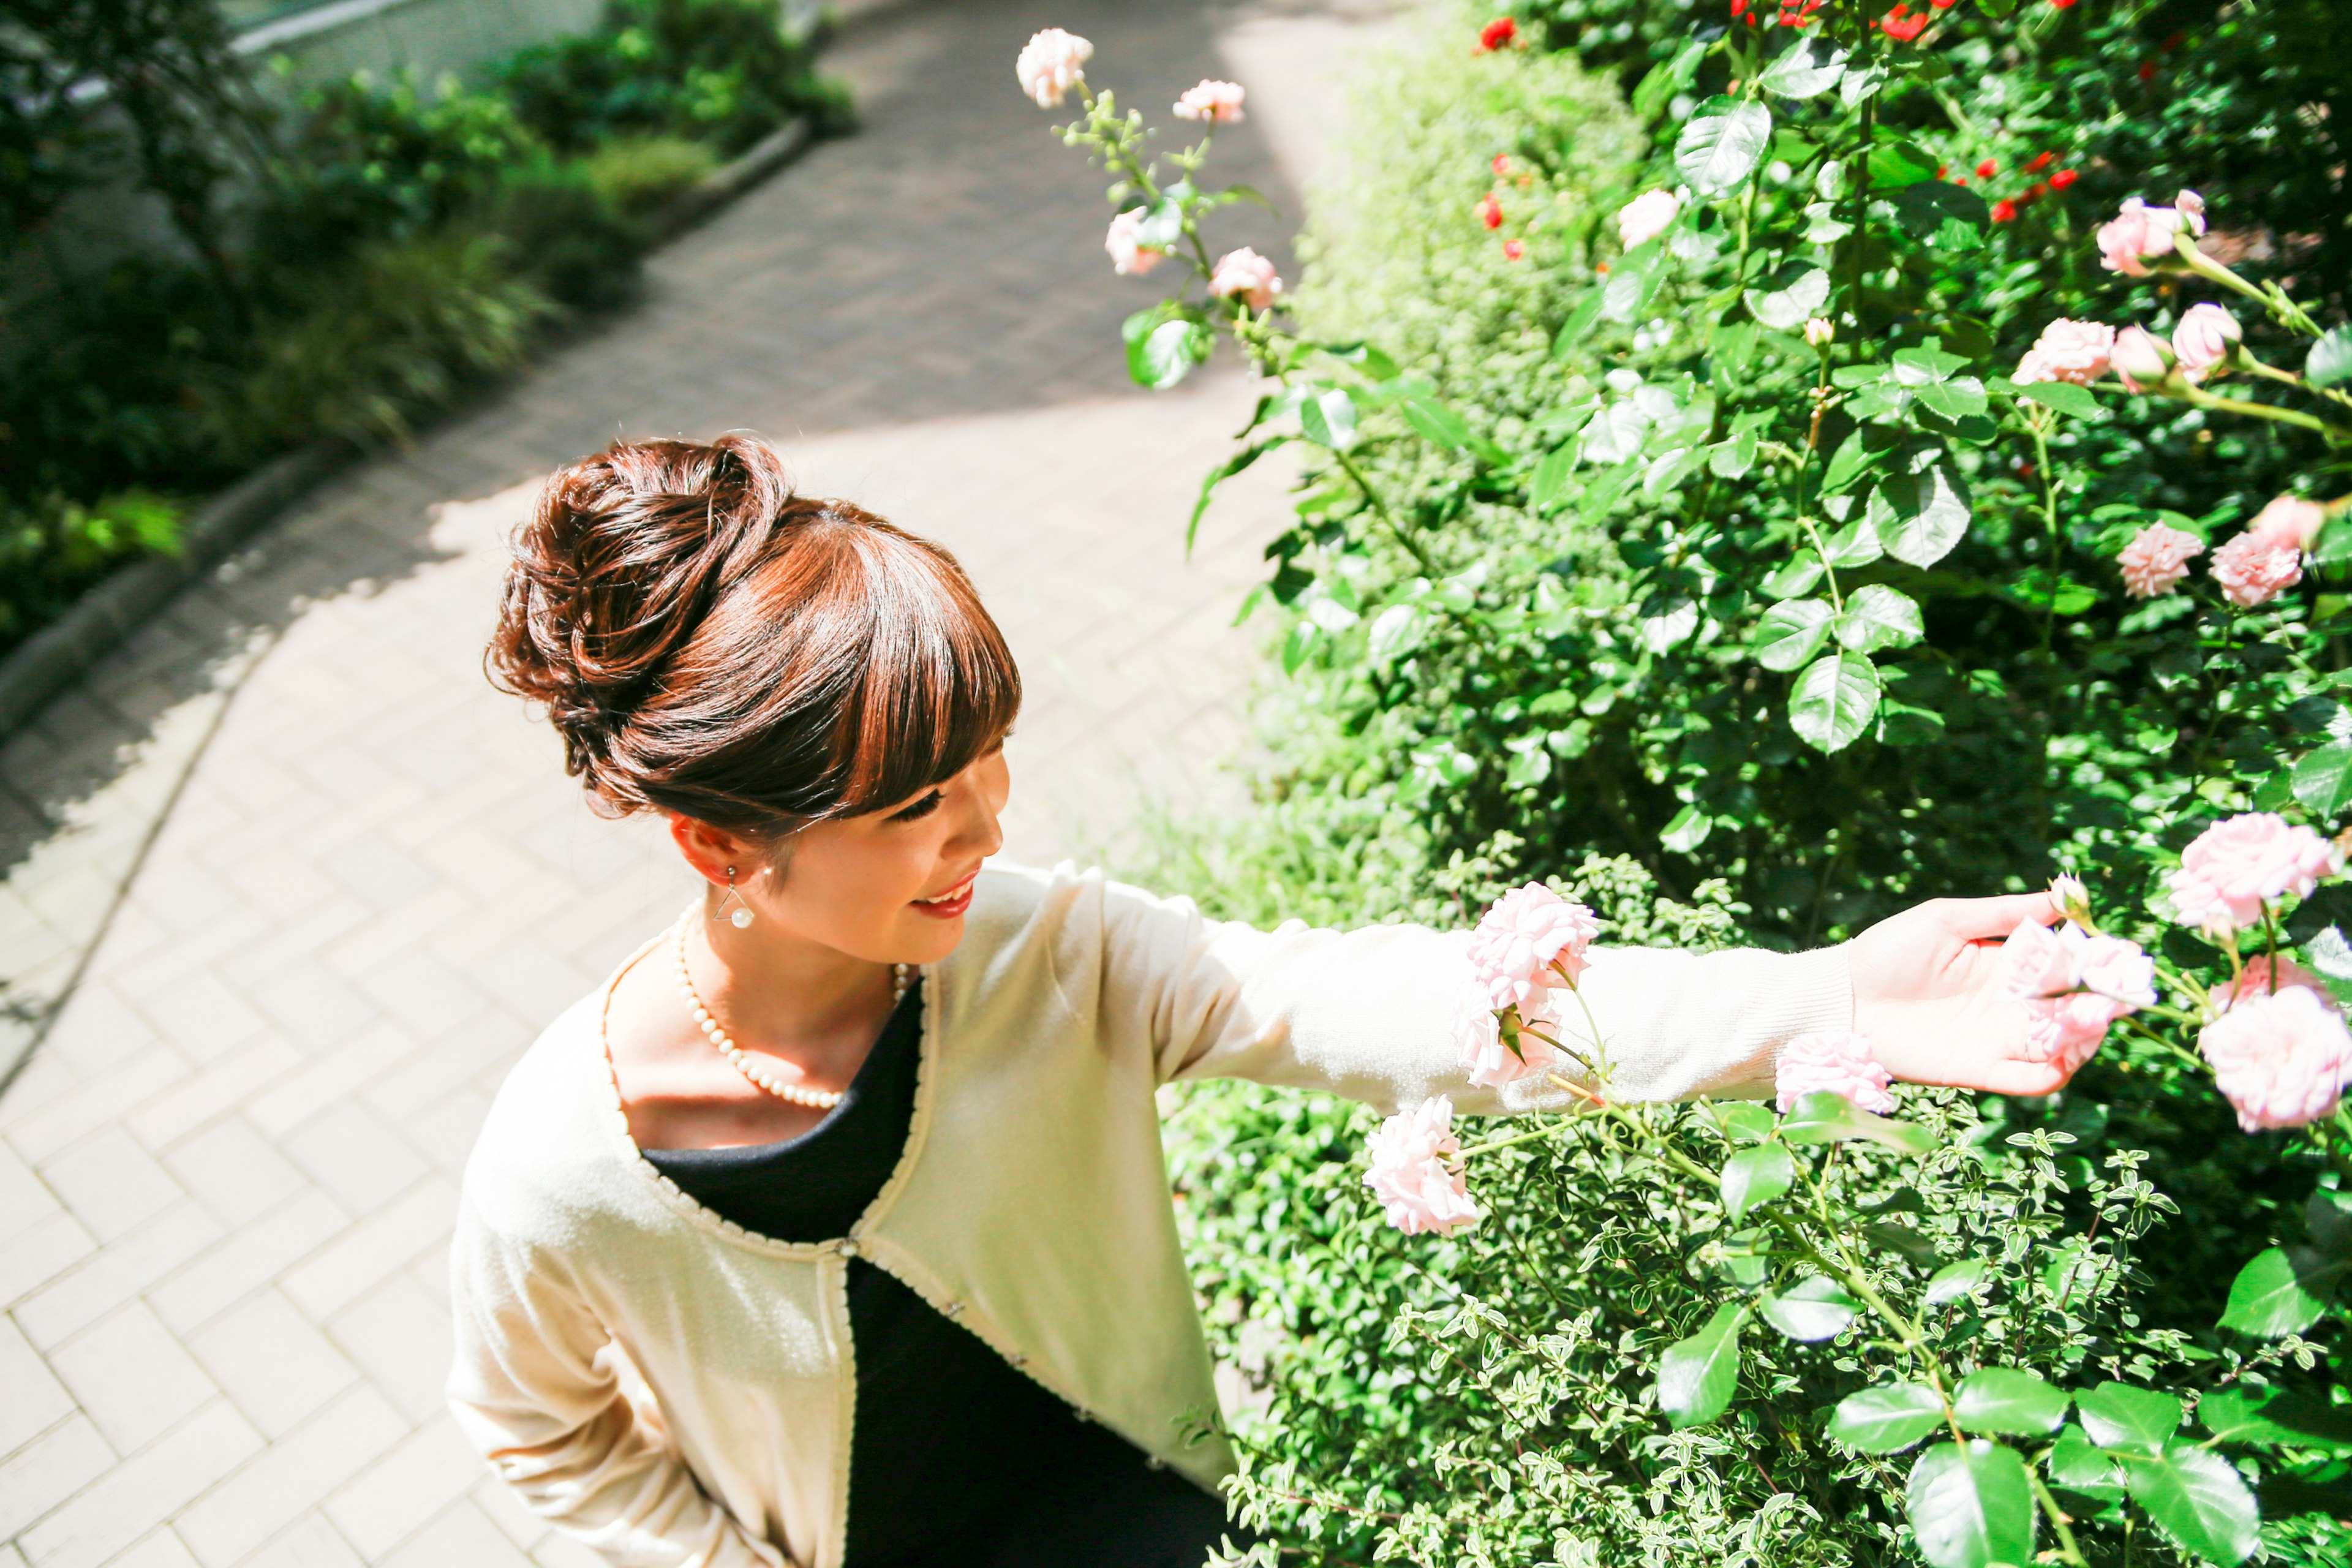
[(1373, 1013), (533, 1394)]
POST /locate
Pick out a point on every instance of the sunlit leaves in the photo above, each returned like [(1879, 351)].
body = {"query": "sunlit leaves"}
[(2197, 1498), (1877, 616), (1971, 1506), (1918, 516), (1888, 1418), (1833, 701), (1756, 1176), (1697, 1376), (1164, 343), (2007, 1400), (1825, 1118), (2268, 1299), (1816, 1308), (1721, 144), (2119, 1415), (1791, 294), (2329, 363), (1812, 67), (1792, 632)]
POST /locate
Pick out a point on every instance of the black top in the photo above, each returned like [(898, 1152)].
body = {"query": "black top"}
[(955, 1458)]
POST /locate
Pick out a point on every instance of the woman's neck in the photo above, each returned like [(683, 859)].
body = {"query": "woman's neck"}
[(776, 989)]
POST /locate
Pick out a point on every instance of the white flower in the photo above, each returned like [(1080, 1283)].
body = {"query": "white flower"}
[(1246, 275), (1646, 217), (1052, 63), (1413, 1171), (1218, 102), (1129, 258)]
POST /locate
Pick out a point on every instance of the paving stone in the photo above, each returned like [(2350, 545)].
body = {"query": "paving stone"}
[(460, 1538), (430, 1468), (401, 1337), (142, 1491), (290, 1478), (164, 1548), (35, 1400), (132, 1378), (249, 1259), (114, 1273), (109, 1182), (50, 1468), (272, 1362), (235, 1173), (312, 1542)]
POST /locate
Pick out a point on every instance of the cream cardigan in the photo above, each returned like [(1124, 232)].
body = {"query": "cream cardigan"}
[(677, 1392)]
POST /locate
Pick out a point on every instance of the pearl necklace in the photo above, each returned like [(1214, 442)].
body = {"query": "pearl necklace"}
[(902, 976)]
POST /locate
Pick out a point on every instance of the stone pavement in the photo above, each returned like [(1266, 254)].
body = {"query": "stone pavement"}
[(305, 886)]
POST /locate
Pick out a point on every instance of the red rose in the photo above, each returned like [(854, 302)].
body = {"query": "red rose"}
[(1497, 33), (2004, 212), (1988, 169), (2063, 178)]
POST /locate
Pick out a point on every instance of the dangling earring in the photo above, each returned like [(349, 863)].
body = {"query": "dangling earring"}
[(743, 915)]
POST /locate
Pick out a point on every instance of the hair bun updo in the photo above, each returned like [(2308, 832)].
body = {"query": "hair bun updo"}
[(707, 642)]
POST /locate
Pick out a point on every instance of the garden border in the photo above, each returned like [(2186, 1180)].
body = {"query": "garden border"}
[(48, 663)]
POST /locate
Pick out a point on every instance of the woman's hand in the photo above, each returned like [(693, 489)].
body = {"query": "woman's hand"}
[(1927, 994)]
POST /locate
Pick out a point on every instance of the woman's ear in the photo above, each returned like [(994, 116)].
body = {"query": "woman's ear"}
[(712, 850)]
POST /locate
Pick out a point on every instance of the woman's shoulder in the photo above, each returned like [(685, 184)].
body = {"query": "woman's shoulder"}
[(548, 1146)]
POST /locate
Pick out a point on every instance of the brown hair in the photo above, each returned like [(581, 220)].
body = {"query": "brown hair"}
[(707, 642)]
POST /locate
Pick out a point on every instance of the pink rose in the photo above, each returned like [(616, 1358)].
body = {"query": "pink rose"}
[(1052, 63), (1488, 1061), (2204, 337), (2073, 985), (1839, 1063), (2141, 358), (2289, 520), (1128, 257), (2232, 868), (2066, 1029), (2066, 891), (1526, 942), (1245, 274), (2069, 350), (2192, 209), (2031, 368), (2253, 570), (2157, 560), (2282, 1060), (1820, 329), (1646, 217), (2254, 980), (2140, 230), (1415, 1171), (1218, 102)]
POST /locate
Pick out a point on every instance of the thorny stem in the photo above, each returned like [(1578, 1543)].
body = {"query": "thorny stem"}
[(2067, 1549), (1380, 505), (2196, 398)]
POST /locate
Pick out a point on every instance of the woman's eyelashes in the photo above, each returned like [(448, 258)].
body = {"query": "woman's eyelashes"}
[(920, 809)]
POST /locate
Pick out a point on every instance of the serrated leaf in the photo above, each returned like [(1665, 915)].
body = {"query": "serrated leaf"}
[(2196, 1498), (1962, 397), (1883, 1420), (1971, 1506), (1793, 576), (2005, 1399), (2267, 1300), (1721, 144), (1918, 518), (1855, 544), (1896, 164), (1163, 344), (1578, 325), (1732, 458), (1825, 1118), (1793, 293), (2082, 1466), (1437, 422), (1754, 1176), (2322, 780), (2274, 1416), (1832, 701), (1625, 293), (2066, 397), (1749, 1122), (1809, 68), (1812, 1310), (1792, 632), (2330, 360), (2121, 1417), (1853, 458), (1946, 218), (1699, 1375), (1859, 84), (1878, 617), (1955, 1280), (1329, 418)]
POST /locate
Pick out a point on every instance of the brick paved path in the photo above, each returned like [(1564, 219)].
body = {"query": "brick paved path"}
[(228, 1171)]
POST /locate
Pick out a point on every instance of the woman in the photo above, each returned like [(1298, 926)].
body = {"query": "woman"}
[(834, 1229)]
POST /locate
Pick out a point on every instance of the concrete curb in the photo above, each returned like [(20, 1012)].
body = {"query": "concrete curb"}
[(53, 658)]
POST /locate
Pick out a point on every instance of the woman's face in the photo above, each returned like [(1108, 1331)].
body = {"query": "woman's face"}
[(892, 885)]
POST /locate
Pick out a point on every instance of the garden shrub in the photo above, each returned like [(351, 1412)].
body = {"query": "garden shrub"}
[(401, 243), (1814, 577)]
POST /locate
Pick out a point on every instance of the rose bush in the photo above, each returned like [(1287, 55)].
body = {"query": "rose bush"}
[(1766, 597)]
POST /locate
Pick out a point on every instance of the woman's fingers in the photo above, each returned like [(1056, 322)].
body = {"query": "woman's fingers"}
[(1976, 919)]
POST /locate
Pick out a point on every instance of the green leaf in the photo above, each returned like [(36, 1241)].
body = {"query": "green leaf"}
[(1792, 632), (2066, 397), (2322, 780), (1295, 646), (1792, 293), (1748, 1122), (1549, 485), (1918, 518), (1578, 325), (1955, 1280), (1754, 1176), (1946, 218), (1825, 1118), (1435, 421), (1222, 471), (1732, 458), (1811, 68), (1883, 1420), (1896, 164), (2267, 1300), (1854, 456), (1813, 1309), (2274, 1416), (2081, 1466), (2120, 1416), (2196, 1498), (1924, 364), (1831, 703), (1721, 144), (1860, 84), (2330, 360), (1625, 294), (1686, 832), (1855, 544), (1971, 1506), (1329, 418), (1794, 577), (2004, 1399), (1878, 617), (1163, 343), (1960, 398), (1697, 1376)]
